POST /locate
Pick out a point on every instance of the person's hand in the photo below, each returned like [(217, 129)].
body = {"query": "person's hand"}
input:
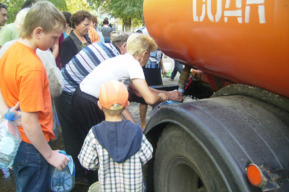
[(58, 160), (175, 95), (55, 46), (55, 49), (164, 72), (15, 109), (163, 96)]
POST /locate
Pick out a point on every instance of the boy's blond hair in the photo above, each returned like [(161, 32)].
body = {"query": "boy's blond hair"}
[(138, 43), (45, 15), (113, 112)]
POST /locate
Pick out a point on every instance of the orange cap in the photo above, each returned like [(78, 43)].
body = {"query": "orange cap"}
[(113, 95)]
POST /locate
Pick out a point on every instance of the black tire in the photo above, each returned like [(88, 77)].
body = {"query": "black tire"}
[(181, 165)]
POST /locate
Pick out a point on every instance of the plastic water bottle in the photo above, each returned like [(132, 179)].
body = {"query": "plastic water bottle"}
[(6, 173), (9, 139), (172, 102), (63, 181), (168, 102)]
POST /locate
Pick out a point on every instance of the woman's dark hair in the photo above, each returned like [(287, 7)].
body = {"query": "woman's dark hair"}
[(67, 16), (105, 22), (78, 17), (28, 3), (94, 19), (3, 6)]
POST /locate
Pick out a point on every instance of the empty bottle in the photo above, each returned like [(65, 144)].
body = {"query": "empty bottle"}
[(63, 181), (9, 139)]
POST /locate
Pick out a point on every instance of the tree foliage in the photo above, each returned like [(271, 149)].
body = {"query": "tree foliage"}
[(76, 5), (14, 6), (128, 10)]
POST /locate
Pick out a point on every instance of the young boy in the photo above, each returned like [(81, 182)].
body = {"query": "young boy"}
[(23, 78), (116, 147)]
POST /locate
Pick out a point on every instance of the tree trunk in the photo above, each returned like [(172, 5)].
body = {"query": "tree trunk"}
[(126, 27)]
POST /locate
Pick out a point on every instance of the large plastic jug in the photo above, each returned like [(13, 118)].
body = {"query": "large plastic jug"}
[(9, 139), (63, 181)]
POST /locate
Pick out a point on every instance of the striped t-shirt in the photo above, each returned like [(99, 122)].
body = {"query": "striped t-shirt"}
[(154, 60), (84, 62)]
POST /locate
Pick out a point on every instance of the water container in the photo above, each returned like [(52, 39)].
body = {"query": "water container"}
[(168, 102), (6, 173), (9, 140), (63, 181)]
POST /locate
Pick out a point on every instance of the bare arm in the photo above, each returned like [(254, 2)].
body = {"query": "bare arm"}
[(164, 72), (55, 49), (140, 87), (4, 108), (127, 115), (110, 36), (172, 95), (34, 133)]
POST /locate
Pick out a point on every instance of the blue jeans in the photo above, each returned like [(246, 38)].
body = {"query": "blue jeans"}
[(107, 40), (178, 68), (31, 170)]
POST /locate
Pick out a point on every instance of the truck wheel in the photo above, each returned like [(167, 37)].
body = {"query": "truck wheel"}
[(181, 164)]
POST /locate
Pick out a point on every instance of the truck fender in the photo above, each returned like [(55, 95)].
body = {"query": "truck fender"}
[(228, 133)]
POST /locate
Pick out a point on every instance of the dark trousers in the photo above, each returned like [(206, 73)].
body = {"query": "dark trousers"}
[(178, 68), (86, 114), (70, 132), (85, 111)]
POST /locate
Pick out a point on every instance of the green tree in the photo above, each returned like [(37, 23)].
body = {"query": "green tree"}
[(76, 5), (14, 7), (129, 11)]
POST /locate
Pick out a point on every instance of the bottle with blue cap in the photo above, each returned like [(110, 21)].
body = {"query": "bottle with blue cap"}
[(10, 139), (63, 181), (168, 102)]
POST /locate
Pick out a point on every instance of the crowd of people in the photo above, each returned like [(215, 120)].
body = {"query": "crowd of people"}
[(58, 68)]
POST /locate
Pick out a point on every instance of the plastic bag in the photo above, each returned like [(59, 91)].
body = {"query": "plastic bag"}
[(10, 139)]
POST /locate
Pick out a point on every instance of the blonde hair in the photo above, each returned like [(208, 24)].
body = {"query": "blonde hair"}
[(20, 17), (45, 15), (113, 112), (138, 43)]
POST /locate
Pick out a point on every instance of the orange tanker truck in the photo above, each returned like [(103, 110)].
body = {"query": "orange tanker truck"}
[(235, 138)]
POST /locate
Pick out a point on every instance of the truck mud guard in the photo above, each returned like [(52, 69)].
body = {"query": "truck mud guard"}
[(207, 145)]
